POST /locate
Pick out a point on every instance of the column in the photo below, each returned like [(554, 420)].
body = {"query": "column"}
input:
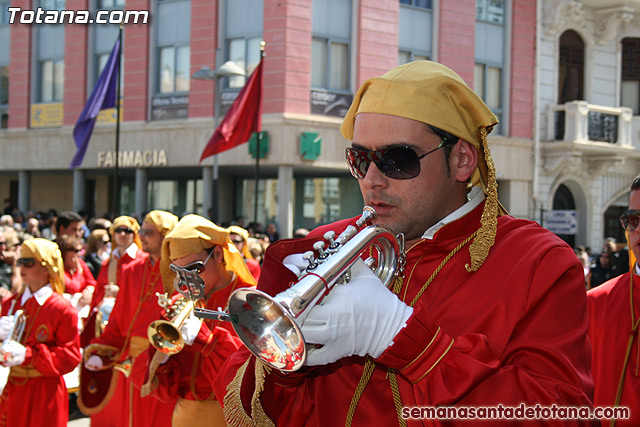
[(142, 185), (285, 201), (207, 191), (79, 190), (24, 191)]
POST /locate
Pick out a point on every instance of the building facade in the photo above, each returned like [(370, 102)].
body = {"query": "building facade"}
[(318, 52), (587, 148)]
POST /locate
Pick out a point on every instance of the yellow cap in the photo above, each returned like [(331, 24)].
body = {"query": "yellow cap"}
[(163, 221), (129, 222), (193, 234), (246, 253), (48, 255), (431, 93)]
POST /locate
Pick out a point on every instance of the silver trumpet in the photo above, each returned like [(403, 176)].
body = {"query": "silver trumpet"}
[(15, 334), (270, 326)]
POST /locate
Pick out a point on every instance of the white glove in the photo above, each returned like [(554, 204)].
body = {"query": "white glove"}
[(295, 263), (190, 329), (361, 317), (5, 326), (14, 353), (94, 363)]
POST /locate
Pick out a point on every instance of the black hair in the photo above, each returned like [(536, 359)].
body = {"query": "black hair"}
[(66, 218), (450, 140), (635, 185)]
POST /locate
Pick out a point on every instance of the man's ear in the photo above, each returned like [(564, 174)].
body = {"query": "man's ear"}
[(465, 160), (218, 254)]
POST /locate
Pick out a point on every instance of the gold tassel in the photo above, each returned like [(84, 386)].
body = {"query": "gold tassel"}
[(479, 248), (234, 413)]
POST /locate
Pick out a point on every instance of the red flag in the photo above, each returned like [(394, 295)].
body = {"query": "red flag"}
[(243, 118)]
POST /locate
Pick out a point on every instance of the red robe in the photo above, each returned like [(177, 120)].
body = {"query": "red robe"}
[(190, 373), (53, 349), (79, 280), (609, 328), (515, 331), (136, 306)]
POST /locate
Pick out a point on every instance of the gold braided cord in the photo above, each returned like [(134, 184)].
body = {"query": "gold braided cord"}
[(369, 367), (258, 415), (479, 249), (396, 396), (442, 264), (234, 413)]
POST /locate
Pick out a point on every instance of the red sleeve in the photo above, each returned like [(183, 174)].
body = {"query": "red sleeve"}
[(538, 364)]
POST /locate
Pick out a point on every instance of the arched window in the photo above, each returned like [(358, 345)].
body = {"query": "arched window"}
[(571, 68), (563, 200)]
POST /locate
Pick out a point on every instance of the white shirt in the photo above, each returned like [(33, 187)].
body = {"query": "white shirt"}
[(41, 295), (131, 251), (475, 197)]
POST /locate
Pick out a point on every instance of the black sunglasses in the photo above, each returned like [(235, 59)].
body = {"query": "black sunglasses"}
[(124, 230), (394, 162), (630, 220), (26, 262)]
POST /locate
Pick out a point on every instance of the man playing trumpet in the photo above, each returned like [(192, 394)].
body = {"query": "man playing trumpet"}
[(48, 347), (488, 310), (197, 245), (125, 336)]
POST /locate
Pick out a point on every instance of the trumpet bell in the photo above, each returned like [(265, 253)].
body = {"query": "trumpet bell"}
[(268, 329), (165, 337)]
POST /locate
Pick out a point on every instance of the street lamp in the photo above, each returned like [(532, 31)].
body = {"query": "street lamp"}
[(228, 69)]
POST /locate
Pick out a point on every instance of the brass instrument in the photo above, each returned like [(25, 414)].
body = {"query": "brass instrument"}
[(15, 333), (103, 314), (270, 326), (109, 356), (165, 335)]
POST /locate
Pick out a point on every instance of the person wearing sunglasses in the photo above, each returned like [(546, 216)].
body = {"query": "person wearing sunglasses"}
[(239, 236), (614, 310), (49, 346), (135, 308), (488, 310), (198, 245)]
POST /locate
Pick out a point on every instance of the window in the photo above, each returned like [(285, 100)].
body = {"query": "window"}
[(173, 60), (571, 67), (630, 88), (488, 76), (51, 80), (4, 96), (245, 52), (330, 46), (58, 5), (4, 13), (110, 4), (490, 11), (174, 63), (405, 57), (425, 4), (329, 64)]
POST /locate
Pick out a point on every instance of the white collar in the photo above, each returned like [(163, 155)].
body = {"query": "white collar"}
[(637, 268), (41, 295), (474, 198), (131, 251)]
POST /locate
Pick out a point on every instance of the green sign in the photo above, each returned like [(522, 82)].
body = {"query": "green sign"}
[(264, 144), (310, 145)]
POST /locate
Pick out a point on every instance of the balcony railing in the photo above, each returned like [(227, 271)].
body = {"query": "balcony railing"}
[(579, 121)]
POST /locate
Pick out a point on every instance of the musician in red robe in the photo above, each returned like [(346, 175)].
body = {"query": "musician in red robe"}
[(614, 310), (135, 308), (488, 310), (196, 244), (35, 393), (124, 237)]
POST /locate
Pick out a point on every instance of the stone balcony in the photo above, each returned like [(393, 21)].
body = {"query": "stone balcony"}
[(587, 137)]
